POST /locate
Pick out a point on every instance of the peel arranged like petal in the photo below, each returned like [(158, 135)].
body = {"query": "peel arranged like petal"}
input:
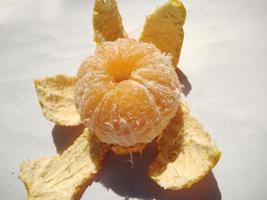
[(186, 153), (62, 176), (56, 97), (107, 21), (164, 28)]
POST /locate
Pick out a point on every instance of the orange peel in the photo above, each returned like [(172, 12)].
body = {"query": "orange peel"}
[(107, 21), (186, 153), (62, 176), (164, 28), (55, 95)]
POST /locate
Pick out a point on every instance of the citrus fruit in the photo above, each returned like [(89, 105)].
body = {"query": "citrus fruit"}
[(127, 92)]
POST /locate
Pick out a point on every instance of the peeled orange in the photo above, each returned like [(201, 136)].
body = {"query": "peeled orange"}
[(127, 92)]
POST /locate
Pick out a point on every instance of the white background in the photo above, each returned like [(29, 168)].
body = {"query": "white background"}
[(224, 57)]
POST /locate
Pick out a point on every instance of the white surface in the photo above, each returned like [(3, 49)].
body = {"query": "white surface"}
[(224, 56)]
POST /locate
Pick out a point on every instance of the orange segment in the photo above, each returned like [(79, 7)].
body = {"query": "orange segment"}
[(106, 119), (137, 106), (120, 150), (90, 90), (164, 97), (125, 113), (93, 64)]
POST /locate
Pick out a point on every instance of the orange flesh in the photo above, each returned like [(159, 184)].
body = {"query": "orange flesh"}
[(127, 93)]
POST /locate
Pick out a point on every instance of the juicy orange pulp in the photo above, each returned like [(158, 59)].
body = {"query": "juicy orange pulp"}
[(127, 92)]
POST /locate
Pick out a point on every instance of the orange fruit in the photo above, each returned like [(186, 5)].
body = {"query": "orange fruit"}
[(127, 92)]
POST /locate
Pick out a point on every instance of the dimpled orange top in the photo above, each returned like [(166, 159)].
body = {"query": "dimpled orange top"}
[(127, 92)]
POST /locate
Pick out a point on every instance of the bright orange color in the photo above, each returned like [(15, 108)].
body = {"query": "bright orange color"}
[(127, 92)]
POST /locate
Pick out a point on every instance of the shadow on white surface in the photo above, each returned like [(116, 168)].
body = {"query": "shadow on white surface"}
[(118, 176), (184, 81), (64, 136)]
